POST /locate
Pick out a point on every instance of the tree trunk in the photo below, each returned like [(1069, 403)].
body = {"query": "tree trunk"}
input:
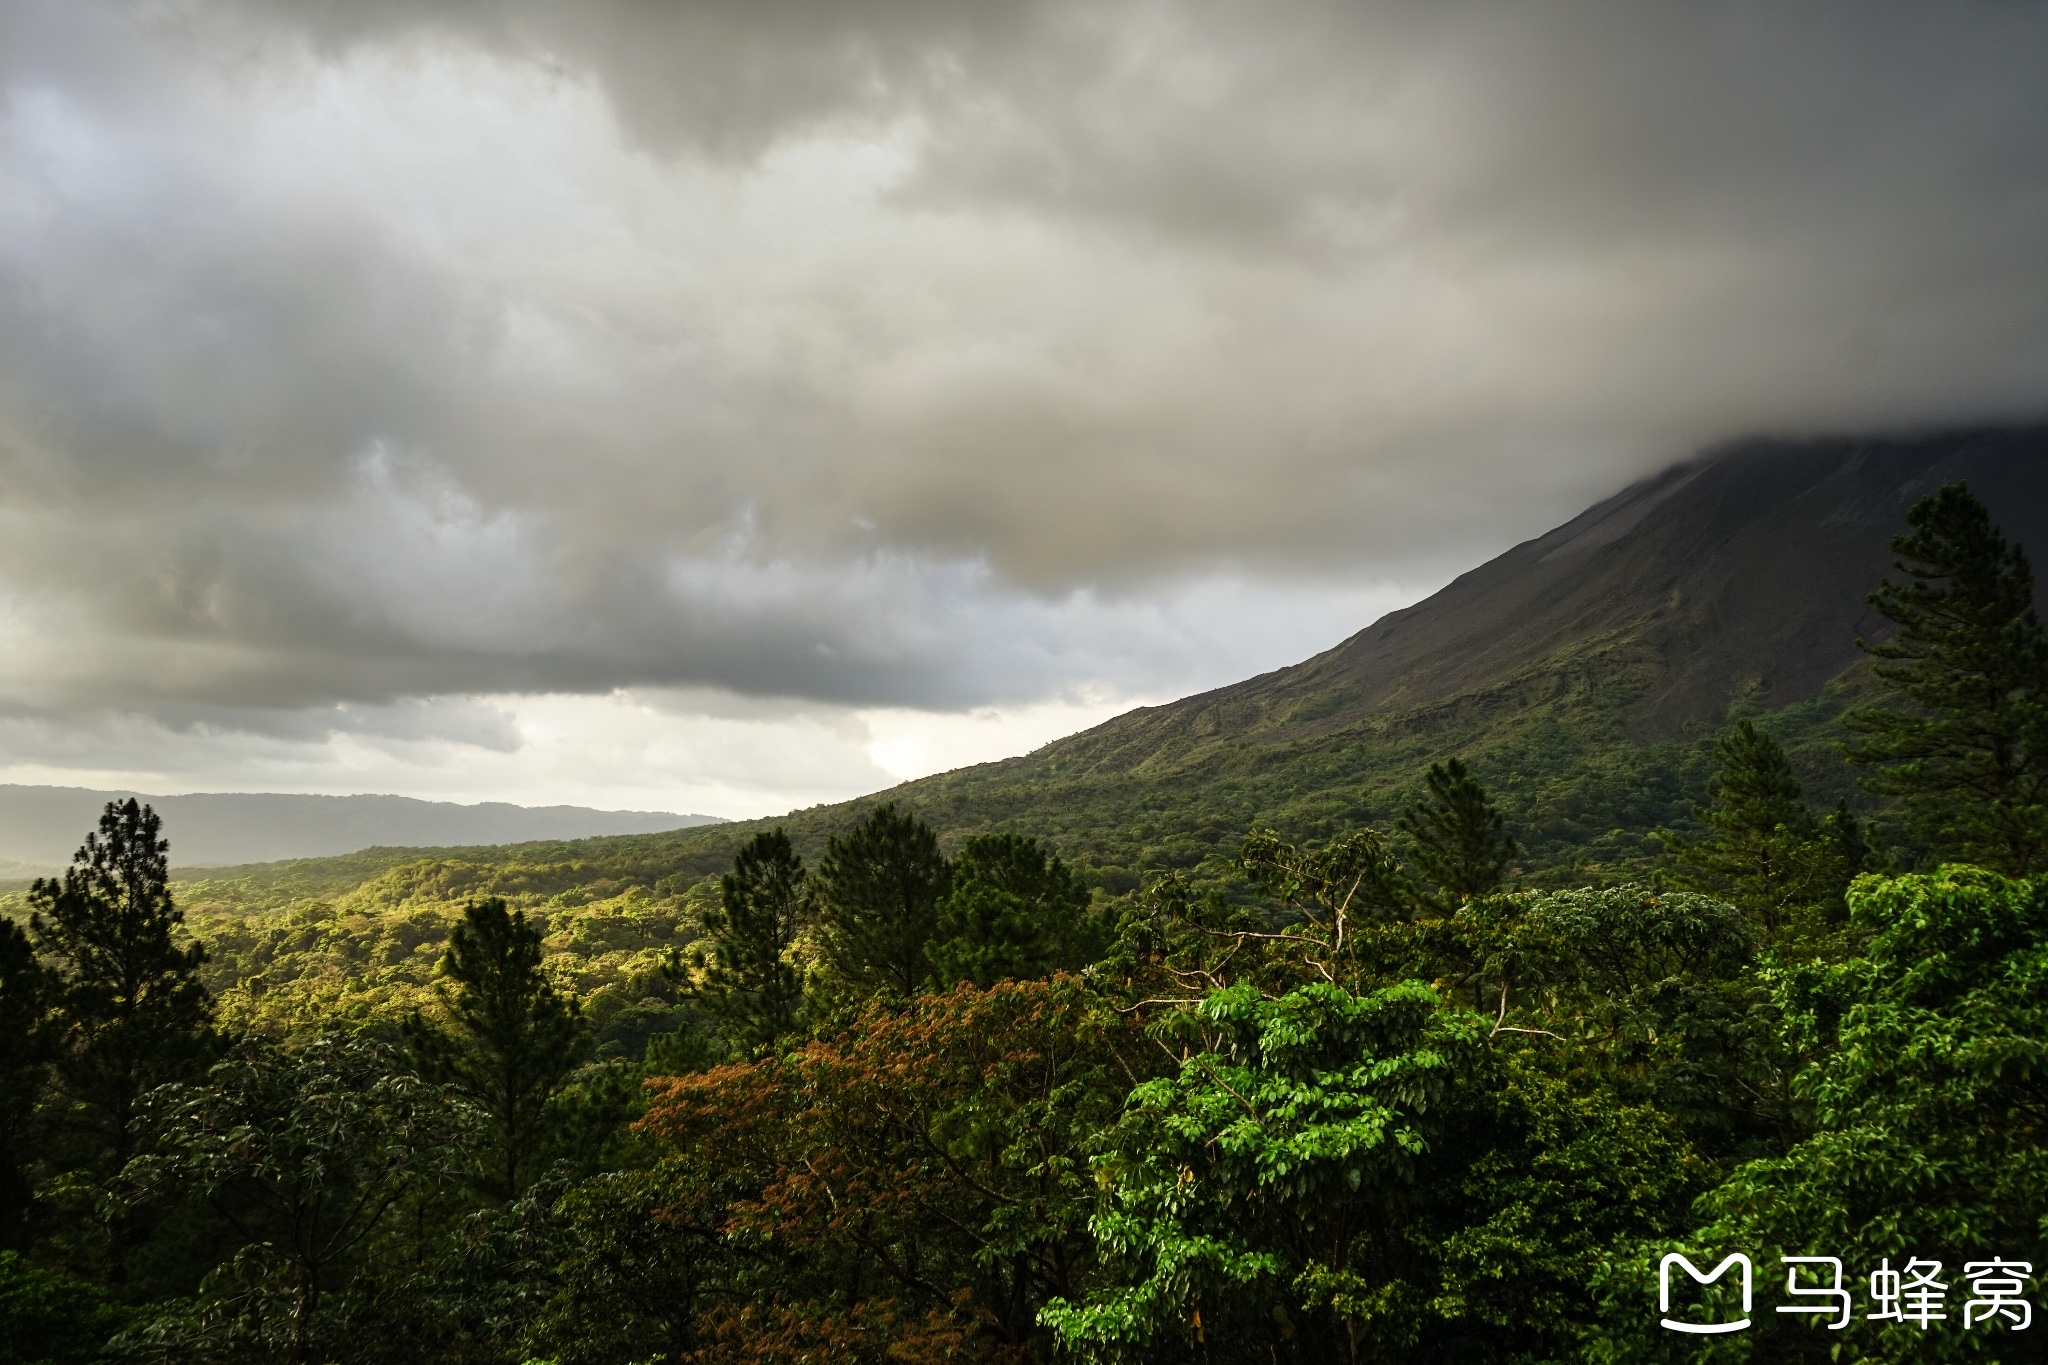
[(302, 1315)]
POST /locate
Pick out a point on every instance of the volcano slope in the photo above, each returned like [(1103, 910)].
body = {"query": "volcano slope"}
[(1581, 674), (1577, 672)]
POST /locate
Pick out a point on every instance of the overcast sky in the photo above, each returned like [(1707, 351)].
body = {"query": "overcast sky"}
[(731, 406)]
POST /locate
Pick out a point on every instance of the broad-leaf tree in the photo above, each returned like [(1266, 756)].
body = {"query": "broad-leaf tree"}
[(305, 1152), (1930, 1110), (647, 1256), (515, 1040), (1258, 1193), (919, 1179), (1968, 755), (1350, 1164)]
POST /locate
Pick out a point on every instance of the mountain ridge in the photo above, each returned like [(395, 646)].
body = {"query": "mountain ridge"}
[(40, 826)]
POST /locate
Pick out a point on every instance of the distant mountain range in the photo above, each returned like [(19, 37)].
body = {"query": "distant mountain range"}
[(40, 827)]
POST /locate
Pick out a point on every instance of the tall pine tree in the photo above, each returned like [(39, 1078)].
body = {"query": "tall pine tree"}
[(130, 1013), (1765, 851), (515, 1043), (24, 1066), (743, 975), (1014, 912), (1968, 755), (1457, 841), (880, 886)]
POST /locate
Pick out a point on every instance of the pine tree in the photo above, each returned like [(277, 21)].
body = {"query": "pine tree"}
[(515, 1043), (1765, 852), (130, 1013), (1015, 912), (1457, 840), (879, 890), (24, 1068), (744, 976), (1968, 758)]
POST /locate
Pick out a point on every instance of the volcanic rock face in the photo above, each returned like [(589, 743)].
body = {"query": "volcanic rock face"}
[(1740, 574)]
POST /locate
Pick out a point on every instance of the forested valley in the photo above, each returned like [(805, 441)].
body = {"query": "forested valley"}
[(1407, 1081)]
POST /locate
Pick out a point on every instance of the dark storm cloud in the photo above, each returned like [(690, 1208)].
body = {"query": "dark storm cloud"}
[(896, 353), (1552, 126)]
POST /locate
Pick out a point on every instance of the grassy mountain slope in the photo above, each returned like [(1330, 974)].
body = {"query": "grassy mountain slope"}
[(1579, 673)]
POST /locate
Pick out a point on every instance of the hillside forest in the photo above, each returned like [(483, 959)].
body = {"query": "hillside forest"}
[(1439, 1071)]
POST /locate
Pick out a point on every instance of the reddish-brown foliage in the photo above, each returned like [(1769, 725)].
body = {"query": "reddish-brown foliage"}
[(920, 1175)]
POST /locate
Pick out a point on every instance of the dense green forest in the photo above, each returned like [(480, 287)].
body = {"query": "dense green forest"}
[(1334, 1050)]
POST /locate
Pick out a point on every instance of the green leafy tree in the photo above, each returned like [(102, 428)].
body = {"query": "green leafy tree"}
[(1015, 912), (1348, 1164), (1931, 1120), (130, 1011), (1653, 996), (1968, 758), (305, 1151), (515, 1043), (1270, 1172), (746, 976), (880, 886), (1765, 850), (24, 1069), (1373, 1176), (1457, 840)]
